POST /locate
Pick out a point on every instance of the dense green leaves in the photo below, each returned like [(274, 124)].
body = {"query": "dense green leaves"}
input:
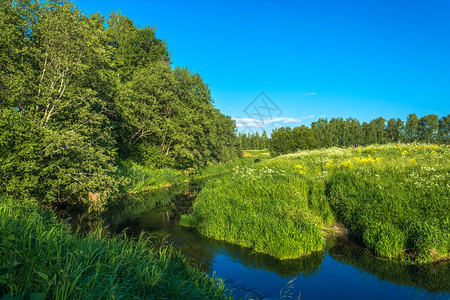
[(349, 132), (253, 141), (78, 92)]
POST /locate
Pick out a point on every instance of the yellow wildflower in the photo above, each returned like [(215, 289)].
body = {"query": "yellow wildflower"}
[(347, 164), (328, 165), (413, 161)]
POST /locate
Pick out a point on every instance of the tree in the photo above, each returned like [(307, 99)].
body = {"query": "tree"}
[(264, 140), (303, 138), (412, 128), (380, 130), (323, 133), (58, 136), (399, 131), (444, 130), (353, 132), (133, 48), (370, 132), (281, 141), (428, 128), (144, 110), (391, 130)]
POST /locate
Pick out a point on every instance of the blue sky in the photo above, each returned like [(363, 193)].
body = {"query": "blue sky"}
[(362, 59)]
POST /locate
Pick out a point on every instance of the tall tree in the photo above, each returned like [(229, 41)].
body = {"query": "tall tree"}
[(380, 124), (303, 138), (399, 131), (133, 48), (281, 141), (412, 128), (444, 130), (428, 128), (391, 130), (62, 148)]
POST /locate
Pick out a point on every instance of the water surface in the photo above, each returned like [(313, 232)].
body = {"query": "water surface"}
[(344, 271)]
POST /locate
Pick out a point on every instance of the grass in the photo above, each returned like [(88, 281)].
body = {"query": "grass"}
[(41, 259), (398, 207), (141, 179), (261, 208), (393, 198)]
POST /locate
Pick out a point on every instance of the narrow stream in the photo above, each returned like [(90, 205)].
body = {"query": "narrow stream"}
[(344, 271)]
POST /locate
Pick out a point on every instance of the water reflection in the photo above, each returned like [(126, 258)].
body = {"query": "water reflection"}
[(433, 277), (344, 271)]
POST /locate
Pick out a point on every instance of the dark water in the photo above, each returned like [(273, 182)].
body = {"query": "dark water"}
[(344, 271)]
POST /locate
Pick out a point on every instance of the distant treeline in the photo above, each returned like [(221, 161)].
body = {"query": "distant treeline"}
[(253, 141), (80, 93), (350, 132)]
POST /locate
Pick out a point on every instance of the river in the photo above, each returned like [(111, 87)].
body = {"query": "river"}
[(344, 270)]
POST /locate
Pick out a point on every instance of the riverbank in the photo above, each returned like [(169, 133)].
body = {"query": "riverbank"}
[(392, 198), (142, 179), (41, 259)]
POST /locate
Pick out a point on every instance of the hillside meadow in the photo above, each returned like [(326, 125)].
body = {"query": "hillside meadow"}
[(393, 199)]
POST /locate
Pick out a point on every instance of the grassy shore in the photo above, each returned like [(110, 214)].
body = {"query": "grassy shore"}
[(394, 199), (41, 259), (139, 178)]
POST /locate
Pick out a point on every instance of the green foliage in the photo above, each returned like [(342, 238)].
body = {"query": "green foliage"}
[(56, 137), (253, 141), (166, 118), (345, 133), (133, 48), (444, 130), (41, 258), (78, 92)]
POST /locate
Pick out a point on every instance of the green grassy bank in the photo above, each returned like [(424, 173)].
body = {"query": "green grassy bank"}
[(394, 199), (139, 178), (41, 259)]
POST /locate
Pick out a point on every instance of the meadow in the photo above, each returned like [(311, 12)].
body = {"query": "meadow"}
[(41, 259), (393, 199)]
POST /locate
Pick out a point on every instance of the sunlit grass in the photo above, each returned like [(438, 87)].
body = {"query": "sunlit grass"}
[(141, 178), (262, 208), (393, 198)]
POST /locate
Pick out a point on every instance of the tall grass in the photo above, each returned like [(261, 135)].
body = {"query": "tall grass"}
[(394, 198), (141, 178), (40, 258), (261, 208), (399, 207)]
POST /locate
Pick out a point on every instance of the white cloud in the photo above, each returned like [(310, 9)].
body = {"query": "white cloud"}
[(309, 94), (250, 122)]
